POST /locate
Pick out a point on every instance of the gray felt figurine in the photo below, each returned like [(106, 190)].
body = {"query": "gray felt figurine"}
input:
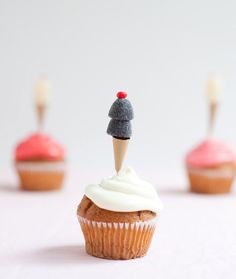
[(121, 112)]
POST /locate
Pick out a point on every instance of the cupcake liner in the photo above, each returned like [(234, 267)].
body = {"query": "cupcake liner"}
[(211, 181), (40, 176), (117, 240)]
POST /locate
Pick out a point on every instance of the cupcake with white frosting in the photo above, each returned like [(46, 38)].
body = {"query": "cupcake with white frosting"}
[(118, 216)]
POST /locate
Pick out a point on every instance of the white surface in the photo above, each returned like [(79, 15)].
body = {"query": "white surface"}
[(41, 238), (160, 52)]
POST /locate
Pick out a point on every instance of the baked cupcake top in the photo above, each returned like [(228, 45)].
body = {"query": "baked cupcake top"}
[(210, 152), (39, 146), (124, 192)]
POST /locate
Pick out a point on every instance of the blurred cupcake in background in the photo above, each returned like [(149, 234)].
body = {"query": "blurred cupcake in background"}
[(40, 163), (39, 159), (211, 165)]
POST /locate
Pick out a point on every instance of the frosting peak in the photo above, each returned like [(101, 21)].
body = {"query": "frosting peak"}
[(124, 192), (39, 146), (209, 153)]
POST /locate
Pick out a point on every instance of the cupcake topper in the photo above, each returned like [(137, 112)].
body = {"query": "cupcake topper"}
[(121, 112), (43, 90), (213, 96)]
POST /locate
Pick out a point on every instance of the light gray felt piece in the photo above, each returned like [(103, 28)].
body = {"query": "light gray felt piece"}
[(121, 109), (119, 128)]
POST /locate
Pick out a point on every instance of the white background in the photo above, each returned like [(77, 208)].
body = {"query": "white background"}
[(160, 52)]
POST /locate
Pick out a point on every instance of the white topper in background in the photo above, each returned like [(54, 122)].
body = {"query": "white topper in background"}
[(43, 90), (214, 89)]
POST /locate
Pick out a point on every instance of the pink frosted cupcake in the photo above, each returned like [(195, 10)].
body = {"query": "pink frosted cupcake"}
[(211, 167), (40, 163)]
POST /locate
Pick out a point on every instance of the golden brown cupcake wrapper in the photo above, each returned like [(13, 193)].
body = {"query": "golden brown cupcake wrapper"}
[(117, 240), (40, 180), (200, 183)]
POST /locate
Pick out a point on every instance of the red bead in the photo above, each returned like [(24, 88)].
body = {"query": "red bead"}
[(121, 95)]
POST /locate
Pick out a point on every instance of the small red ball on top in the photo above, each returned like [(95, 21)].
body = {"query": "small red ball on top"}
[(121, 95)]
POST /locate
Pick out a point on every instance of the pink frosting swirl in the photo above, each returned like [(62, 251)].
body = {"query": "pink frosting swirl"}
[(210, 152), (39, 146)]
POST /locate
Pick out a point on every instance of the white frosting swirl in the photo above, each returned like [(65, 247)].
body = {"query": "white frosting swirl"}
[(124, 192)]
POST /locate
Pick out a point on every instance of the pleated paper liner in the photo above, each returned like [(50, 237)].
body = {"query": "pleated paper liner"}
[(117, 240), (40, 176), (210, 182)]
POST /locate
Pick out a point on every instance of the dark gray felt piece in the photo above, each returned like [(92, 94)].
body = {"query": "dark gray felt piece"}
[(121, 109), (119, 128)]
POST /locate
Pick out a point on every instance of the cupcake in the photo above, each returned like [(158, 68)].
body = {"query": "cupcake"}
[(211, 167), (40, 163), (118, 216)]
